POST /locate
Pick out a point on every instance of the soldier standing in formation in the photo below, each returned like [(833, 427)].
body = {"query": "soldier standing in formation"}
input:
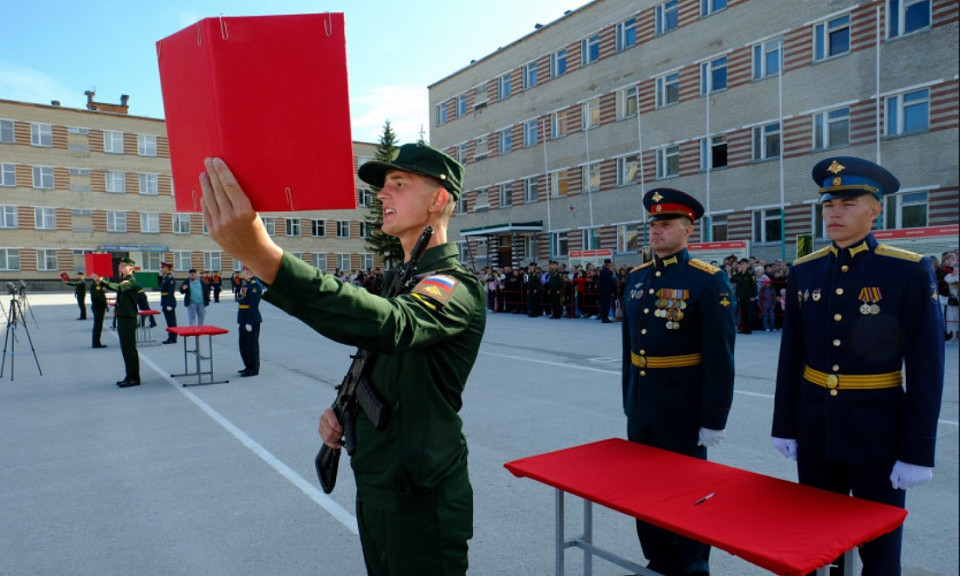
[(248, 319), (126, 314), (98, 303), (168, 300), (80, 293)]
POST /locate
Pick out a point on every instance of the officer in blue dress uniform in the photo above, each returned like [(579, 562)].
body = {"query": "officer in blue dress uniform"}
[(678, 337), (248, 319), (168, 300), (860, 376)]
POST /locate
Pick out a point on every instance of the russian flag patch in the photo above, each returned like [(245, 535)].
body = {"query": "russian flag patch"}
[(438, 288)]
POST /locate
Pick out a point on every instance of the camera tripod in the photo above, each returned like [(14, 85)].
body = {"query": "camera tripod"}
[(15, 316)]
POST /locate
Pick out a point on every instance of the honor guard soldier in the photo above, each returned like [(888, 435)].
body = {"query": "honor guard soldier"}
[(248, 319), (678, 336), (126, 310), (860, 375), (168, 300)]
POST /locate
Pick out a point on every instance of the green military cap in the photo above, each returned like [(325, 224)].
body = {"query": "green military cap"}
[(128, 261), (419, 159)]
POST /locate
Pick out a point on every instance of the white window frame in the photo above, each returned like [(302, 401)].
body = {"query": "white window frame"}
[(41, 135), (318, 228), (530, 192), (668, 16), (460, 106), (292, 227), (628, 170), (182, 260), (113, 142), (7, 134), (505, 193), (763, 136), (47, 260), (43, 177), (8, 174), (530, 75), (481, 148), (759, 220), (761, 58), (900, 107), (44, 218), (897, 16), (559, 184), (504, 86), (149, 184), (668, 162), (147, 145), (708, 7), (149, 222), (591, 177), (480, 97), (824, 124), (343, 228), (626, 34), (531, 133), (269, 223), (212, 260), (558, 63), (708, 75), (558, 125), (364, 197), (10, 259), (668, 90), (181, 224), (896, 204), (320, 261), (627, 103), (505, 139), (591, 113), (9, 217), (343, 262), (590, 50), (825, 32), (719, 222), (115, 182), (116, 221), (441, 114), (707, 146)]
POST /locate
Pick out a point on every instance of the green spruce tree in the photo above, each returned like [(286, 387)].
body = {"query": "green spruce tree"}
[(388, 247)]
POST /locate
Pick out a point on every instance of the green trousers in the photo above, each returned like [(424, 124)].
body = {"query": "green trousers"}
[(127, 330)]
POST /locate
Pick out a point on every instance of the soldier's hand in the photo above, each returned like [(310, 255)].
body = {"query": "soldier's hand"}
[(331, 432), (786, 446), (905, 475)]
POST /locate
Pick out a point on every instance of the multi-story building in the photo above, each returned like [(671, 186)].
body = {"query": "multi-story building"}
[(76, 181), (733, 101)]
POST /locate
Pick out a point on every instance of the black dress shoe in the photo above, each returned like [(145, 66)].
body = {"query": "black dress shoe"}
[(99, 345), (242, 371), (168, 341), (128, 383), (247, 373)]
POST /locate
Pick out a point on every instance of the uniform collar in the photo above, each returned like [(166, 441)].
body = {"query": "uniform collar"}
[(678, 258), (432, 257), (865, 246)]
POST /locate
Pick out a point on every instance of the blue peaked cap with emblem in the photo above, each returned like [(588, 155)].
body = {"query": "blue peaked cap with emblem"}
[(665, 203), (849, 176)]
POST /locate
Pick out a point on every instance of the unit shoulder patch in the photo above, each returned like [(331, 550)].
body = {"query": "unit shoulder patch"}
[(812, 256), (703, 266), (438, 287), (894, 252)]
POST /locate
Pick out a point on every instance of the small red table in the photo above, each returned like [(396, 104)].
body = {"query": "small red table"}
[(778, 525), (144, 328), (185, 332)]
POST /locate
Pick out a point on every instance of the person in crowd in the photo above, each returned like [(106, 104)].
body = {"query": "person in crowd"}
[(746, 288), (196, 298), (678, 338), (533, 290), (768, 301), (858, 312), (607, 284), (414, 503), (951, 277), (168, 300), (126, 310), (554, 286)]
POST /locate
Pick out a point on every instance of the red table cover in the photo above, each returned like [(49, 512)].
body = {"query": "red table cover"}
[(268, 94), (202, 330), (778, 525)]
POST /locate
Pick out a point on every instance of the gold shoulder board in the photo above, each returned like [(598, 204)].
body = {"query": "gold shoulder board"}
[(644, 265), (812, 256), (701, 265), (894, 252)]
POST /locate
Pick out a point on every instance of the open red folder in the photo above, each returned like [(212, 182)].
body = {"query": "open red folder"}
[(268, 94), (99, 264)]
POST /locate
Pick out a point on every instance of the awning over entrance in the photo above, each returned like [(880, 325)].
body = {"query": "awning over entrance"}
[(507, 228), (132, 248)]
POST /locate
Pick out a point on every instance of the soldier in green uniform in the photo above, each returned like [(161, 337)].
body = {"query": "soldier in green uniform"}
[(414, 499), (126, 309), (98, 302), (80, 293)]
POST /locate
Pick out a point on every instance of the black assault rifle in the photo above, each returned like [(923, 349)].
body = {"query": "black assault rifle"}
[(356, 393)]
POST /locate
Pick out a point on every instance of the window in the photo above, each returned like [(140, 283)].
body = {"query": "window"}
[(318, 228), (461, 153), (590, 50), (831, 38), (591, 177), (181, 260), (627, 103), (591, 113), (906, 16), (529, 75), (480, 96), (441, 114), (6, 131), (481, 148), (626, 34), (483, 199), (320, 261), (112, 142), (270, 224), (718, 228), (627, 171), (558, 184), (506, 142), (713, 75), (461, 105), (43, 177), (366, 260), (767, 226), (364, 230), (212, 260), (766, 141), (506, 195), (530, 133), (708, 7), (558, 63), (115, 182), (293, 227), (831, 129), (343, 262), (530, 189), (905, 210), (908, 112), (41, 135), (713, 153), (9, 259), (45, 218), (150, 222), (116, 221), (628, 238), (766, 59), (503, 87), (47, 259), (151, 261), (560, 243), (668, 89), (668, 16), (148, 184), (8, 174), (146, 145), (668, 162), (8, 217), (558, 124), (343, 228), (364, 197), (181, 223)]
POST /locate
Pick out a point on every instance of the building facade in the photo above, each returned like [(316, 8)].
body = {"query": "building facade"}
[(76, 181), (733, 101)]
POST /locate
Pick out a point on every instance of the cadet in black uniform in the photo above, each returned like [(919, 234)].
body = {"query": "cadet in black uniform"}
[(248, 319), (168, 300), (80, 293), (414, 498), (678, 335), (856, 313), (98, 302), (126, 309)]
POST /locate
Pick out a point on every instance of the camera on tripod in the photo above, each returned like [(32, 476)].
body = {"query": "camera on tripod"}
[(12, 288)]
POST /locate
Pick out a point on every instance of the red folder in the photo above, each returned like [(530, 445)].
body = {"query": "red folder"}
[(64, 276), (99, 264), (268, 94)]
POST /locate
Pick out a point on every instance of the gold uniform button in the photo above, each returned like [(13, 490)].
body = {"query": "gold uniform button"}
[(844, 268), (836, 342), (643, 352), (643, 372), (839, 291), (650, 291), (838, 317), (646, 310), (832, 381), (833, 392), (643, 331), (836, 367), (659, 273)]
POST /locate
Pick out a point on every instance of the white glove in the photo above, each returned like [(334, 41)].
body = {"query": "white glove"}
[(786, 446), (248, 327), (710, 437), (906, 475), (167, 308)]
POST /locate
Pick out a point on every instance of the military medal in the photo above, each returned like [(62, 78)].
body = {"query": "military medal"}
[(874, 308), (816, 295), (865, 309), (870, 296)]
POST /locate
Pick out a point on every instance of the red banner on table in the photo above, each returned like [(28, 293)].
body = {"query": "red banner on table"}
[(99, 264), (268, 94)]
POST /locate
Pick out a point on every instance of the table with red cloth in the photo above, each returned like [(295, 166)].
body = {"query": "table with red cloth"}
[(144, 328), (196, 332), (778, 525)]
